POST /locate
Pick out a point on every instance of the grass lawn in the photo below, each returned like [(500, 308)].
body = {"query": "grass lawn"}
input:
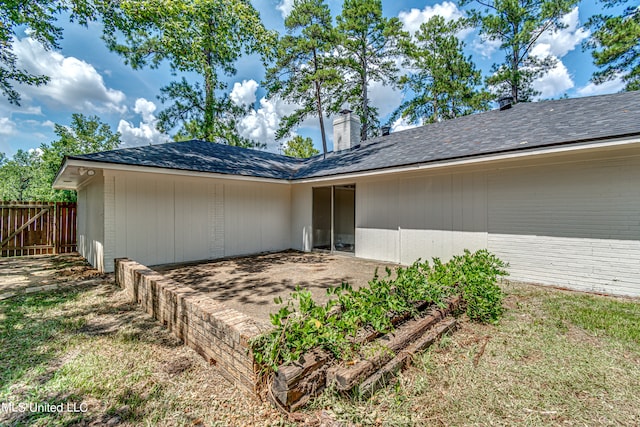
[(556, 358), (88, 347)]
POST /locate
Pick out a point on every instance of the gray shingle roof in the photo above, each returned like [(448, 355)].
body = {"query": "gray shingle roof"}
[(524, 127), (201, 156)]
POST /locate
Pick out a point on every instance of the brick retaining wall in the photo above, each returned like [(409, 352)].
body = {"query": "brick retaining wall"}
[(218, 333)]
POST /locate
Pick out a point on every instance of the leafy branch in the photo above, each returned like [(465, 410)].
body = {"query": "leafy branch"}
[(302, 324)]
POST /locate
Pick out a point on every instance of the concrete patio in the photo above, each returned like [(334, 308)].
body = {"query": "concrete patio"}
[(250, 284)]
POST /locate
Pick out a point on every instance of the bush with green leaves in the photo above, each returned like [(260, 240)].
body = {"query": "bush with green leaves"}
[(475, 276), (333, 326)]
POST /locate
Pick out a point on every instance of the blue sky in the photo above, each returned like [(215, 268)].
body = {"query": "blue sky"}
[(87, 78)]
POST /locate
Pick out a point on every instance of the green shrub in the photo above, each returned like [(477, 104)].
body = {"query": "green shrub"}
[(476, 275), (333, 326)]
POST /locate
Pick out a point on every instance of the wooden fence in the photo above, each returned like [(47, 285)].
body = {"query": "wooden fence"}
[(37, 228)]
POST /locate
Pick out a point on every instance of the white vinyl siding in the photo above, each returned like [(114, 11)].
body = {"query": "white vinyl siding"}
[(575, 225), (427, 216), (160, 219)]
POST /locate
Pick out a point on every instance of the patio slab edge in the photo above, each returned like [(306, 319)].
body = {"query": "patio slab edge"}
[(220, 334)]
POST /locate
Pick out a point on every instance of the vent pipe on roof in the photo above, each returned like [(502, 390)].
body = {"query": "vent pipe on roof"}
[(346, 131), (505, 102), (386, 130)]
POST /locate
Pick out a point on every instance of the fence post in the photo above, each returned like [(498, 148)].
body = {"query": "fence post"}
[(55, 228)]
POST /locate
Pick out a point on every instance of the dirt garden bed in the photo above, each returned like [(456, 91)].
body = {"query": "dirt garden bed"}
[(217, 308)]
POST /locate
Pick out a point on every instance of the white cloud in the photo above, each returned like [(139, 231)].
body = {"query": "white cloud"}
[(37, 151), (384, 97), (402, 124), (32, 110), (146, 132), (7, 126), (285, 7), (261, 125), (145, 109), (557, 44), (244, 93), (30, 122), (611, 86), (561, 41), (555, 82), (38, 123), (412, 19), (73, 83), (485, 47)]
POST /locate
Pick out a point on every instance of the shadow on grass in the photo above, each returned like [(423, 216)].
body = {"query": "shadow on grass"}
[(35, 265), (25, 339), (37, 333)]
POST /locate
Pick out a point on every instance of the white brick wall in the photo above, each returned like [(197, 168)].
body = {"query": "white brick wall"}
[(573, 224)]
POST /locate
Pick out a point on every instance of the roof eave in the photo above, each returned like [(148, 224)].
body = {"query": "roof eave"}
[(618, 141), (524, 152), (95, 164)]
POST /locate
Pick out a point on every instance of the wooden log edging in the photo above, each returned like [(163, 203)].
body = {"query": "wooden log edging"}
[(295, 384), (380, 378), (345, 378), (218, 333)]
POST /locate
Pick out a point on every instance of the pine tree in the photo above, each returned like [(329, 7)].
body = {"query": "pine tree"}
[(517, 25), (304, 72), (616, 44), (300, 147), (204, 37), (368, 50), (444, 82)]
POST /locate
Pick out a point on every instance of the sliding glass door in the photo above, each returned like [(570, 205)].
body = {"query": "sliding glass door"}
[(334, 218)]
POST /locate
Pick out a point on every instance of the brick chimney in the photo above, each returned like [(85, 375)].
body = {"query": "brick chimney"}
[(346, 131)]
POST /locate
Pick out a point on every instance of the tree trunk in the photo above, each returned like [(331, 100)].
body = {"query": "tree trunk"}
[(515, 74), (434, 117), (209, 87), (319, 107), (515, 78), (209, 104), (364, 130)]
